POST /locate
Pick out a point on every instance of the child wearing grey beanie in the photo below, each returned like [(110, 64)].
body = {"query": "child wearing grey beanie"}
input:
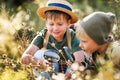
[(93, 31), (98, 26)]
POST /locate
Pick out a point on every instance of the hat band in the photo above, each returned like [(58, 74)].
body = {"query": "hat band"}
[(60, 5)]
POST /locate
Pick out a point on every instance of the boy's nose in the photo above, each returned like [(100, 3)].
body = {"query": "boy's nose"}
[(80, 45), (55, 27)]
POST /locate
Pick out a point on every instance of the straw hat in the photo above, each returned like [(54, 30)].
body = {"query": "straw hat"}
[(60, 5)]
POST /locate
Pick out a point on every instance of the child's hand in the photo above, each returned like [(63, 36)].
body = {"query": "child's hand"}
[(43, 64), (40, 64)]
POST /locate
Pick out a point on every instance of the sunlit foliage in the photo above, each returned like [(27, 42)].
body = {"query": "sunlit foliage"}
[(19, 24)]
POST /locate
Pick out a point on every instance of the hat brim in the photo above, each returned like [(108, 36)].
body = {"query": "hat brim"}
[(41, 12)]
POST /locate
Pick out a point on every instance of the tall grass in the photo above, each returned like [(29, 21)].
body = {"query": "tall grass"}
[(14, 40), (16, 34)]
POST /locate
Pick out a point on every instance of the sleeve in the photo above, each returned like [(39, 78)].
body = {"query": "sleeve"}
[(38, 40), (75, 42)]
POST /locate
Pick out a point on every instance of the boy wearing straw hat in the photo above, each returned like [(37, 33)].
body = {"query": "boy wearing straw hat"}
[(58, 16)]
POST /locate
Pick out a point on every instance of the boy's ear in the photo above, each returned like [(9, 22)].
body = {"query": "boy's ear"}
[(69, 22)]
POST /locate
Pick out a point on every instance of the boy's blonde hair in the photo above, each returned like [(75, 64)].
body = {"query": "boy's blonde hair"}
[(79, 29)]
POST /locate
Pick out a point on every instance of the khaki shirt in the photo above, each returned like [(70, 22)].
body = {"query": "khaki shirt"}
[(114, 51)]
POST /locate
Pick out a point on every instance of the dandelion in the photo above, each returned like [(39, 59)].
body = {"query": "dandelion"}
[(74, 76), (75, 66), (81, 68)]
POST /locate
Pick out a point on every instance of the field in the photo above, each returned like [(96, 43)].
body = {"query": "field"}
[(19, 25)]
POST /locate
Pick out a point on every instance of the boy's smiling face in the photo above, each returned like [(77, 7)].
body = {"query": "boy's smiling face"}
[(86, 43), (57, 27)]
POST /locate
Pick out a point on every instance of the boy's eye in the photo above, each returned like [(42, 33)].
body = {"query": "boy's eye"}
[(60, 24), (51, 24), (83, 41)]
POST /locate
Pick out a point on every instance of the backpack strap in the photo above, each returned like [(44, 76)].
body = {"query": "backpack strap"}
[(69, 38), (45, 41)]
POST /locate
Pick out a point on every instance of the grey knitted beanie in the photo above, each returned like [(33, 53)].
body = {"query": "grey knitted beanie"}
[(98, 26)]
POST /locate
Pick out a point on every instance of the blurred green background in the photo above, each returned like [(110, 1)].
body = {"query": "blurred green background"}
[(19, 24)]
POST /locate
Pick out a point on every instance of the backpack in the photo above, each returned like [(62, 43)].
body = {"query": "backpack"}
[(46, 38)]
